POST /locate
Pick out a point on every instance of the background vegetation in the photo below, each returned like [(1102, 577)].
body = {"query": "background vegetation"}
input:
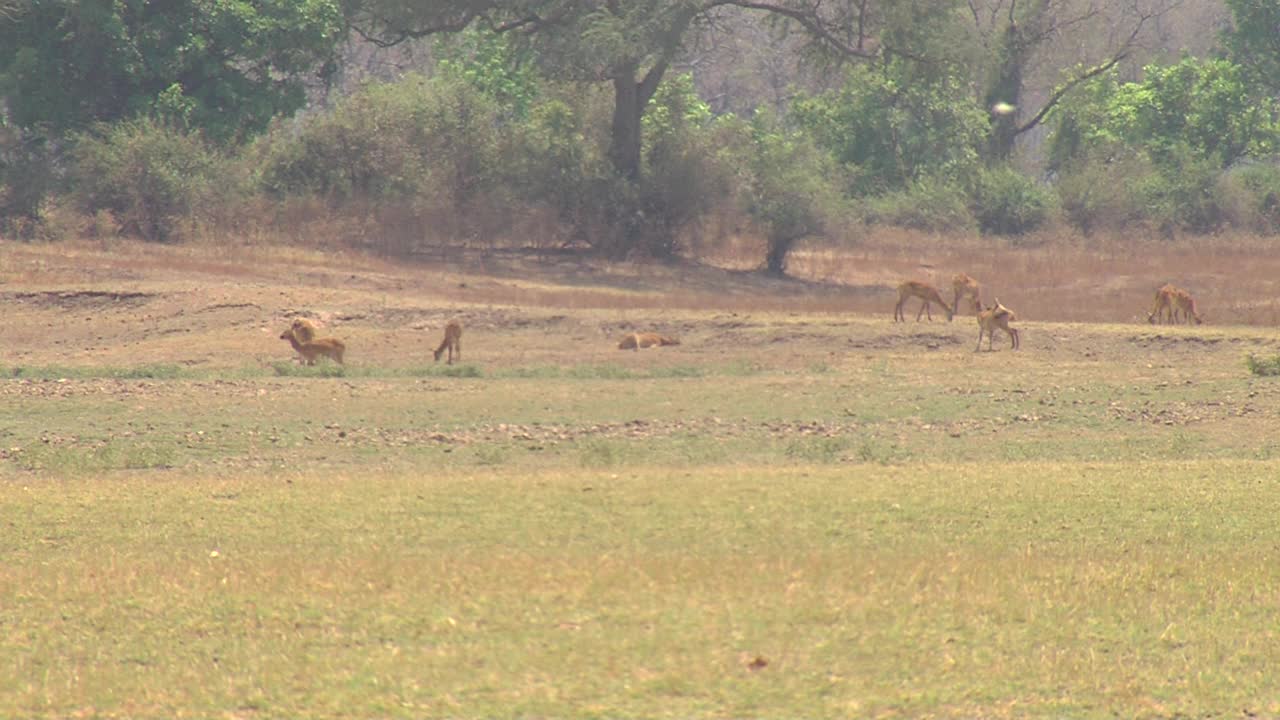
[(640, 129)]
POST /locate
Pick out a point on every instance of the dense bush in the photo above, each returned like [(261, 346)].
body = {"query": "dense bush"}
[(929, 204), (682, 176), (892, 128), (1180, 196), (784, 183), (26, 178), (1098, 193), (1249, 196), (156, 181), (391, 141), (1007, 202)]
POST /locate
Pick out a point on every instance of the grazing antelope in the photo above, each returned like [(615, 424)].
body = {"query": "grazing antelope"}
[(1171, 299), (452, 341), (967, 286), (926, 292), (316, 347), (997, 316), (635, 341)]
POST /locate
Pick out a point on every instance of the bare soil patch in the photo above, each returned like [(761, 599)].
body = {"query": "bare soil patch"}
[(130, 304)]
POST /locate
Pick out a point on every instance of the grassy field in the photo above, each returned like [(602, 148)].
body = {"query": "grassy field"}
[(792, 514)]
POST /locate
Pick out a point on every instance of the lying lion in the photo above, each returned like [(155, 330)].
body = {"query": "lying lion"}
[(635, 341)]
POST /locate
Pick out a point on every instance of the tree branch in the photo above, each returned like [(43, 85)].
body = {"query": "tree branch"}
[(811, 21), (1067, 87)]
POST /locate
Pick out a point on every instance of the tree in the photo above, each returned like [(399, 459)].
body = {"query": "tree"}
[(629, 44), (1015, 33), (891, 127), (225, 67), (791, 188), (1253, 40), (1207, 107)]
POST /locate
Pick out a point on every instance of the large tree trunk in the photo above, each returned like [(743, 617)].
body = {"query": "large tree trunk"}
[(1005, 93), (624, 142), (631, 98)]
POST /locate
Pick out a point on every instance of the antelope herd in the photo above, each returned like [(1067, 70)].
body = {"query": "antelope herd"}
[(1170, 303)]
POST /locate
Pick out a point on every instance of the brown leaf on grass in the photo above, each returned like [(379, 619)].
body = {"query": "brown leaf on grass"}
[(758, 663)]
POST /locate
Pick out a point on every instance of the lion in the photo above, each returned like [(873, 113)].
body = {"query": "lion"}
[(635, 341), (316, 347), (926, 292), (452, 341), (304, 329), (997, 316)]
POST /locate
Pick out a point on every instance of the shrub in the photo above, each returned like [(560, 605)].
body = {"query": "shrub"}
[(931, 204), (1181, 195), (1249, 196), (1098, 192), (1263, 366), (1006, 202), (414, 138), (26, 177), (155, 180)]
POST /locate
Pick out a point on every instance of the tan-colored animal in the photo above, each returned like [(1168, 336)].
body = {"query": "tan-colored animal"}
[(635, 341), (997, 316), (316, 347), (966, 286), (1170, 300), (452, 341), (304, 330), (926, 292)]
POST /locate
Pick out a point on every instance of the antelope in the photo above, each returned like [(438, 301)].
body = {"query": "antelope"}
[(997, 316), (452, 341), (967, 286), (317, 347), (926, 292), (1171, 299)]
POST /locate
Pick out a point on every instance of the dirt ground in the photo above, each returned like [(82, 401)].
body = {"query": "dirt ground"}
[(127, 304)]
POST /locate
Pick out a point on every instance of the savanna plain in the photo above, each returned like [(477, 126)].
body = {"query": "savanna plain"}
[(802, 510)]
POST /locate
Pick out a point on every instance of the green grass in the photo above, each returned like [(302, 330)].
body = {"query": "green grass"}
[(1264, 366), (956, 590), (894, 533)]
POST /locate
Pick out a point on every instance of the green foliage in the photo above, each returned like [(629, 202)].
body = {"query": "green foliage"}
[(26, 178), (681, 178), (1263, 366), (1007, 202), (1181, 193), (1154, 150), (1206, 107), (558, 164), (892, 129), (437, 140), (789, 187), (224, 67), (929, 204), (1250, 197), (154, 179), (1252, 40), (1099, 192), (492, 64)]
